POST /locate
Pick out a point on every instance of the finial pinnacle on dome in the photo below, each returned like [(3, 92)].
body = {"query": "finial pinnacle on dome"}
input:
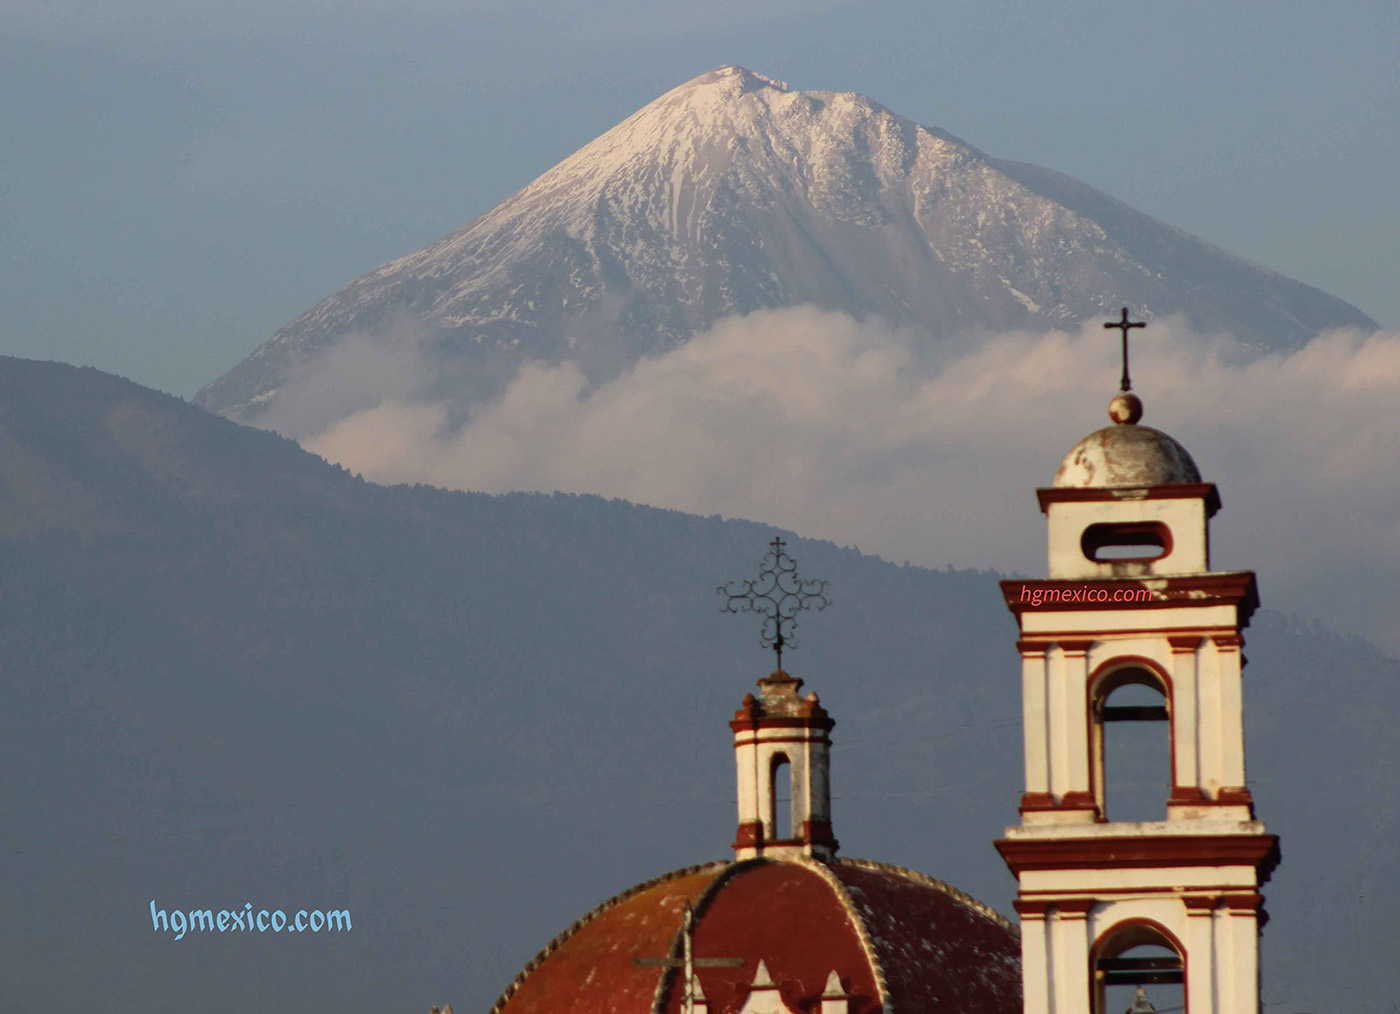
[(1125, 408)]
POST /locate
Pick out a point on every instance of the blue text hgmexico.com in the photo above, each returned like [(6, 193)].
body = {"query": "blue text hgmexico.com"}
[(245, 920)]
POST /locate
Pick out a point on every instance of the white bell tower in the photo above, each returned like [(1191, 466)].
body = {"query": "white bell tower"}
[(1131, 602), (782, 740)]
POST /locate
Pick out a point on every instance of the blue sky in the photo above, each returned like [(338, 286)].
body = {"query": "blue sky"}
[(178, 178)]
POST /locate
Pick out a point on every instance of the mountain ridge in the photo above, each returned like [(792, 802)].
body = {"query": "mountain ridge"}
[(732, 193)]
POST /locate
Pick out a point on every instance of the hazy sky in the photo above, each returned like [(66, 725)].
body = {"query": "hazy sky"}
[(179, 178)]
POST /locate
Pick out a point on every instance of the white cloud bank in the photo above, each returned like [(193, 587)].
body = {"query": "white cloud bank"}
[(842, 429)]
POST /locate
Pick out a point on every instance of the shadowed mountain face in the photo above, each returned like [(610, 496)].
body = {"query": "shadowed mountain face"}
[(232, 673), (733, 193)]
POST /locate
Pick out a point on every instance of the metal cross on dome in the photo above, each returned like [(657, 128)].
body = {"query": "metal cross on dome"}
[(688, 962), (778, 595), (1123, 325)]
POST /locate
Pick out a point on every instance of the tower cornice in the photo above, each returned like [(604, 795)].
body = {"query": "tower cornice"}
[(1094, 852), (1206, 491), (1238, 588)]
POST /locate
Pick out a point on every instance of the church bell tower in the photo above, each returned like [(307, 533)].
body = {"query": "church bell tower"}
[(1132, 609)]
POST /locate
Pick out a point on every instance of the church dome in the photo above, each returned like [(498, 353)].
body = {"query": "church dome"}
[(786, 927), (810, 936), (1126, 454)]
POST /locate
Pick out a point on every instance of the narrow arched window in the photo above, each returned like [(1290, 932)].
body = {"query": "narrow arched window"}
[(780, 817), (1132, 745), (1137, 970)]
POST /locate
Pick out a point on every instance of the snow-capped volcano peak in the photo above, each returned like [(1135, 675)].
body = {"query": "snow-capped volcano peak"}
[(732, 193)]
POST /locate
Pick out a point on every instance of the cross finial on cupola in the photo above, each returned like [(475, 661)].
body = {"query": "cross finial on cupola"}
[(1126, 407), (778, 595), (1124, 324)]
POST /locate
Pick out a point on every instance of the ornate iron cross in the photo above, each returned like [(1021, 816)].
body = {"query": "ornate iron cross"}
[(778, 595), (1123, 325)]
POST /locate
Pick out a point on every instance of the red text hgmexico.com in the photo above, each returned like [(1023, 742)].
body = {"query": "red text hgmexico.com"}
[(1084, 593)]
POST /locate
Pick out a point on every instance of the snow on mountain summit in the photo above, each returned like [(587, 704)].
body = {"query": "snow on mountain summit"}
[(732, 193)]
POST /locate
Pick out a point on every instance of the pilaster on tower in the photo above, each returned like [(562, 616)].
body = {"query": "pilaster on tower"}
[(1131, 602)]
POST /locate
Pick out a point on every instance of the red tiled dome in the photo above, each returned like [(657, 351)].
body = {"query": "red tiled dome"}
[(897, 940)]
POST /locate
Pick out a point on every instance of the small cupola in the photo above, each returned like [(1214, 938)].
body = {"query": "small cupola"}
[(782, 748)]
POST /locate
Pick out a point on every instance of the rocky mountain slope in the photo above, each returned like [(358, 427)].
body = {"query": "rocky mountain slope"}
[(733, 193), (233, 673)]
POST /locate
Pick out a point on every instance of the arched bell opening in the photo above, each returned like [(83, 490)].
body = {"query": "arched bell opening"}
[(1130, 706), (1138, 967), (782, 818)]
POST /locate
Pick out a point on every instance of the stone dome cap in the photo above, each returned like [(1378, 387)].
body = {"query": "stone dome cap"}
[(1126, 454)]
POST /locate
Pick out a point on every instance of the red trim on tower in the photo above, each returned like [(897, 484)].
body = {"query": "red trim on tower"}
[(819, 740), (1188, 795), (1241, 903), (1075, 801), (1079, 799), (1136, 892), (750, 833), (1048, 637), (746, 723), (1034, 801), (1235, 795), (1236, 588), (1258, 850)]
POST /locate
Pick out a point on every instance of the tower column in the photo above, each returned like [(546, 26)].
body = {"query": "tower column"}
[(1069, 948), (1228, 651), (1078, 789), (1200, 940), (1185, 731), (1035, 949), (1035, 706), (1240, 935)]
